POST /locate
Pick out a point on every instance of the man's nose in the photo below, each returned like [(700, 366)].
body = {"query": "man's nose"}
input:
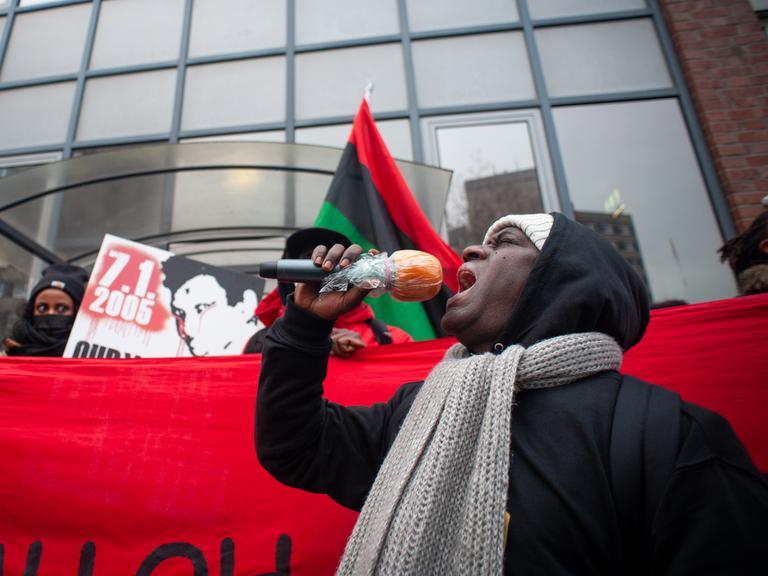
[(474, 252)]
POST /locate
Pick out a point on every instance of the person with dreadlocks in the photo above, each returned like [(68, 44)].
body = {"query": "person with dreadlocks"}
[(524, 451), (747, 255)]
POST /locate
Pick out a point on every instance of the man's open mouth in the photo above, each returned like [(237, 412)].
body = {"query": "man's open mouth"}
[(467, 279)]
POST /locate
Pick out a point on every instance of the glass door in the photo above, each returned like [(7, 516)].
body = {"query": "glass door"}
[(500, 166)]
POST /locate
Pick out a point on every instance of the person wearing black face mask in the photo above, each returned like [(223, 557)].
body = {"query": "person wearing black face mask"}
[(49, 313)]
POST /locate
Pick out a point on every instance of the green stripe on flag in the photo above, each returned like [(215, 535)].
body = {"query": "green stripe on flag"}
[(330, 217), (409, 316)]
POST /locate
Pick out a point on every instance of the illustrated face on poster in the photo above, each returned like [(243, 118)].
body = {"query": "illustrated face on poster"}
[(142, 301), (213, 320)]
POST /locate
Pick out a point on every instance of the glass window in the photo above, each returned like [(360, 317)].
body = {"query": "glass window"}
[(633, 164), (562, 8), (234, 93), (600, 58), (137, 32), (223, 26), (35, 116), (472, 70), (331, 20), (46, 43), (4, 4), (396, 135), (434, 14), (127, 105), (19, 271), (266, 136), (494, 172), (332, 82), (2, 23)]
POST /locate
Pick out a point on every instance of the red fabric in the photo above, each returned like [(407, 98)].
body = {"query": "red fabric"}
[(401, 204), (713, 354), (270, 308), (131, 455)]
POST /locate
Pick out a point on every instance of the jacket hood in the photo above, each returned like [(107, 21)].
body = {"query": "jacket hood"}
[(580, 283)]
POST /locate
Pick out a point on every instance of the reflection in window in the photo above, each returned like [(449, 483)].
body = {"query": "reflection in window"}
[(19, 271), (222, 26), (472, 70), (240, 255), (332, 82), (247, 198), (632, 164), (494, 173), (74, 222), (137, 32), (35, 116), (331, 20), (234, 93), (436, 14), (604, 57), (396, 135), (127, 105), (46, 43), (562, 8)]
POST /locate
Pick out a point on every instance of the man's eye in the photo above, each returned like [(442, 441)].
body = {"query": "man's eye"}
[(203, 306), (62, 309), (42, 308)]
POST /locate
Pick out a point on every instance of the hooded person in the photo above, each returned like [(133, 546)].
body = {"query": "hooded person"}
[(518, 453), (49, 313)]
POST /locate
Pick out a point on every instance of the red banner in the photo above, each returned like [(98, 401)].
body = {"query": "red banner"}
[(114, 467)]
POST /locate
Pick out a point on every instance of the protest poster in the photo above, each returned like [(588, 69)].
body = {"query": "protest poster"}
[(145, 302)]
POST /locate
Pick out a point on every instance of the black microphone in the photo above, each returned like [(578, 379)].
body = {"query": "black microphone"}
[(294, 271)]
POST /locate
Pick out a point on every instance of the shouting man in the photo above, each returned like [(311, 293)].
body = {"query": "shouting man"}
[(525, 451)]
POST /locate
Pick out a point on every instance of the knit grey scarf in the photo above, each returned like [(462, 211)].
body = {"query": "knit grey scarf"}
[(437, 505)]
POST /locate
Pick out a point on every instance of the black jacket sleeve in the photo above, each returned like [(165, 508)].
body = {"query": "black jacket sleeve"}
[(713, 518), (306, 441)]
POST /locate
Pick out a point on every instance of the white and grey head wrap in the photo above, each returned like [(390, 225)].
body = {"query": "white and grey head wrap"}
[(536, 226)]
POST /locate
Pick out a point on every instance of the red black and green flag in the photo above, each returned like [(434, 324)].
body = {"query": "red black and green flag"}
[(369, 202)]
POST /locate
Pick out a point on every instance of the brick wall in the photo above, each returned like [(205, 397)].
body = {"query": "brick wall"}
[(724, 56)]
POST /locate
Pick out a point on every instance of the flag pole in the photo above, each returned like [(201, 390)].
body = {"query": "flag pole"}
[(368, 92)]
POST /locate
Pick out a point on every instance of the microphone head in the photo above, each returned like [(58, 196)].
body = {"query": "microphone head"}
[(418, 276)]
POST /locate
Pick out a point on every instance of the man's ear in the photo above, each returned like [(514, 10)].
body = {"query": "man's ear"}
[(763, 245)]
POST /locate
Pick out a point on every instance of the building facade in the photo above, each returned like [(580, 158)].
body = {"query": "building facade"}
[(651, 109)]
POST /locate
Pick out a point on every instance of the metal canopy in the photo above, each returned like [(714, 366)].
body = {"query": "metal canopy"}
[(238, 199)]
